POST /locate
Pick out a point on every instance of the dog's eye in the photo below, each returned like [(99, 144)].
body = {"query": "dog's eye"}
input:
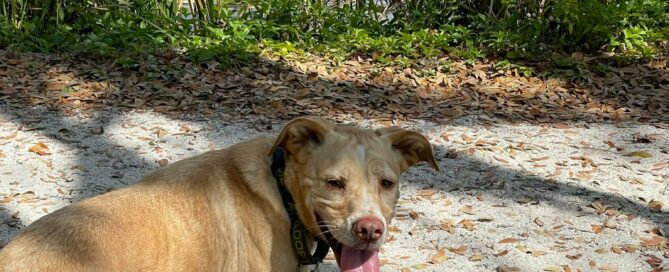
[(386, 183), (336, 183)]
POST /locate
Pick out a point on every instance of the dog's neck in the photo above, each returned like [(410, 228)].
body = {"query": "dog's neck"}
[(299, 235)]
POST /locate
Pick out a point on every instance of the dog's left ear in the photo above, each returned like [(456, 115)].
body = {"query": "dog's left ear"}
[(413, 146), (302, 132)]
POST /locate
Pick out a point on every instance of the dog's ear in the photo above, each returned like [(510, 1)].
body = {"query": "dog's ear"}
[(302, 132), (413, 146)]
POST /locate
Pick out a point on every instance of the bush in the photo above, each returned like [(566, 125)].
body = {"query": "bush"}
[(411, 28)]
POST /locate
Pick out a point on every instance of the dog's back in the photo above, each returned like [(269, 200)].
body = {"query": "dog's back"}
[(176, 219)]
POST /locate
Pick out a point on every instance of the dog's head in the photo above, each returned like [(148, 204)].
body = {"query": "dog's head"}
[(345, 182)]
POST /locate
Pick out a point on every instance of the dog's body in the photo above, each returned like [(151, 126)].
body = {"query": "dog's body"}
[(222, 211)]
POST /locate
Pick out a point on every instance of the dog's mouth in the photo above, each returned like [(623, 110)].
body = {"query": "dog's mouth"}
[(360, 258)]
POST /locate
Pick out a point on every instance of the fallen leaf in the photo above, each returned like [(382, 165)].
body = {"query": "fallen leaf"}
[(505, 268), (508, 241), (413, 215), (607, 268), (640, 154), (468, 209), (2, 155), (630, 248), (10, 136), (553, 269), (538, 222), (476, 258), (616, 249), (538, 253), (500, 159), (40, 149), (610, 143), (656, 240), (458, 250), (654, 261), (574, 257), (522, 248), (444, 136), (655, 205), (502, 253), (426, 193), (419, 266), (447, 226), (602, 250), (539, 159), (439, 257), (599, 207), (467, 224), (597, 229)]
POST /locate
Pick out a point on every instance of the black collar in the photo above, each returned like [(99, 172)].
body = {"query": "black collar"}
[(298, 233)]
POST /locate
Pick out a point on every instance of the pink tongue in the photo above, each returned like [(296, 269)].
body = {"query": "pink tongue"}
[(353, 260)]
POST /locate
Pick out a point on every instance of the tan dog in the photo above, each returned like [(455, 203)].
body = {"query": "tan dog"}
[(222, 210)]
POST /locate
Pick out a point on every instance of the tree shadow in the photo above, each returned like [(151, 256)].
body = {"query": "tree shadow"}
[(270, 91), (499, 182)]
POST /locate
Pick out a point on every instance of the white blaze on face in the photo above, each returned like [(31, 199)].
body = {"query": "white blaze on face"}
[(361, 156), (367, 204)]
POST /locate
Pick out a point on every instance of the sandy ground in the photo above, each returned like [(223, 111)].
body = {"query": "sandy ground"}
[(537, 198)]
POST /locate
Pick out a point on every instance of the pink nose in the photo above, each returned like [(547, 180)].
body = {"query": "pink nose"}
[(368, 229)]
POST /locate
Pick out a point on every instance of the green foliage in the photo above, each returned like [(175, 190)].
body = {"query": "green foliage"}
[(391, 31)]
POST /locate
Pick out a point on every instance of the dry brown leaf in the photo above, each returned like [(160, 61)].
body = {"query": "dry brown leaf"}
[(447, 226), (553, 268), (467, 224), (476, 258), (602, 250), (538, 253), (599, 207), (439, 257), (500, 159), (617, 250), (10, 136), (444, 136), (40, 149), (610, 143), (629, 248), (502, 253), (505, 268), (574, 257), (607, 268), (508, 240), (413, 215), (539, 159), (426, 193), (458, 250), (522, 248), (656, 240), (597, 229), (419, 266), (6, 199), (538, 222), (640, 154), (655, 205), (468, 209), (2, 155)]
